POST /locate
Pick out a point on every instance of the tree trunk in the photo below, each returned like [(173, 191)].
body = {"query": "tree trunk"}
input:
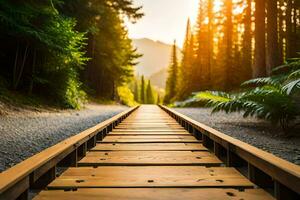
[(247, 43), (18, 70), (32, 73), (228, 38), (15, 67), (210, 40), (289, 42), (259, 67), (272, 37), (281, 33)]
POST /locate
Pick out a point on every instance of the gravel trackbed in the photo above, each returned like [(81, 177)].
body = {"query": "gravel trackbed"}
[(255, 132), (24, 134)]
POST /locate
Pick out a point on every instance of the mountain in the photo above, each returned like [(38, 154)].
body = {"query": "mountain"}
[(155, 59), (159, 78)]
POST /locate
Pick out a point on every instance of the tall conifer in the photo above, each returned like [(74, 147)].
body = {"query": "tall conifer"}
[(185, 67), (143, 100), (150, 96), (172, 77)]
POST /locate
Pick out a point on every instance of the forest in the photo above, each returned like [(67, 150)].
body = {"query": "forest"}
[(250, 42), (66, 50)]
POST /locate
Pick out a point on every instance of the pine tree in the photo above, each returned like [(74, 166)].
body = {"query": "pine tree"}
[(143, 100), (150, 96), (136, 91), (172, 77), (247, 44), (259, 68), (158, 101), (185, 67), (273, 59), (229, 45), (201, 65)]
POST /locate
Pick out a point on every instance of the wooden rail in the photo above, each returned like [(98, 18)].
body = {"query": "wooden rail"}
[(150, 155), (39, 170), (262, 168)]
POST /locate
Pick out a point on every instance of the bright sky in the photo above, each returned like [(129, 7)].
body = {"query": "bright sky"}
[(164, 20)]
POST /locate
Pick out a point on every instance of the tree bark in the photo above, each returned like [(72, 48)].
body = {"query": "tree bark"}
[(228, 38), (32, 73), (247, 43), (289, 42), (272, 37), (259, 67), (210, 40)]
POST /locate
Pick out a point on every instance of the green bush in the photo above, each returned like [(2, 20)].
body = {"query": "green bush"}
[(126, 96), (274, 98)]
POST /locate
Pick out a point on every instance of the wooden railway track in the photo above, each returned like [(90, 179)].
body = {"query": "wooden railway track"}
[(152, 153)]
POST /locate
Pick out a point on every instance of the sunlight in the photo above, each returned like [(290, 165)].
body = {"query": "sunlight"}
[(218, 4), (194, 11), (239, 9)]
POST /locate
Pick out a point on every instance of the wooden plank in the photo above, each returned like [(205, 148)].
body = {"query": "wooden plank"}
[(150, 158), (185, 137), (150, 147), (155, 194), (147, 133), (150, 121), (151, 139), (12, 176), (150, 128), (137, 122), (165, 176), (145, 130), (280, 170)]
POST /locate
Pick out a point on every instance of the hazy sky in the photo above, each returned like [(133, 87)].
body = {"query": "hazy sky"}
[(164, 20)]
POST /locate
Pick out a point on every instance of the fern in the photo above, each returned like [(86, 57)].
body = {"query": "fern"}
[(272, 98)]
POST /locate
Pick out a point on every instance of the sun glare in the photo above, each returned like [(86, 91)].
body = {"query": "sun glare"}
[(217, 7), (194, 10), (218, 4)]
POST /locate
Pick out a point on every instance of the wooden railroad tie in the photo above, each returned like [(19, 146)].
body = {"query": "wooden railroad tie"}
[(154, 153)]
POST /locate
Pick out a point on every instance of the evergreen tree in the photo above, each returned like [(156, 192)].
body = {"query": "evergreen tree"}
[(158, 101), (136, 91), (259, 68), (186, 64), (273, 59), (172, 77), (247, 43), (150, 96), (42, 41), (229, 45), (143, 99)]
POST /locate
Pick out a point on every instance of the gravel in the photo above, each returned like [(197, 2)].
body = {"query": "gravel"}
[(26, 133), (255, 132)]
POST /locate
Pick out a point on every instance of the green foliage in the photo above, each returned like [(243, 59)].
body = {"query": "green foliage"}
[(136, 91), (275, 98), (126, 96), (46, 45), (143, 90), (158, 101), (150, 96), (111, 51), (172, 77)]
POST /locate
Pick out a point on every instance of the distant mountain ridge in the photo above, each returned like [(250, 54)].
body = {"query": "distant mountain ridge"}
[(155, 60)]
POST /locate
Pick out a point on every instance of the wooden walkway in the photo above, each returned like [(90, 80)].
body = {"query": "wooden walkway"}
[(150, 156)]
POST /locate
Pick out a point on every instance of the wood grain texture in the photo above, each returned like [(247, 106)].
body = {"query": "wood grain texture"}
[(149, 156), (133, 158), (156, 194), (150, 177), (150, 147)]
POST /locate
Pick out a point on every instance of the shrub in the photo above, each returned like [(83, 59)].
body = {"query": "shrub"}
[(126, 96), (274, 98)]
